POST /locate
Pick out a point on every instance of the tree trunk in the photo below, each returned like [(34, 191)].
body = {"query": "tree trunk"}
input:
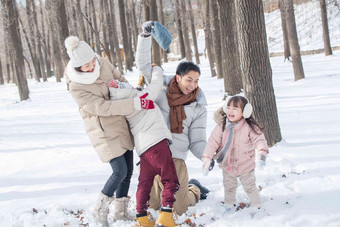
[(87, 28), (134, 23), (38, 40), (284, 30), (83, 35), (58, 69), (179, 28), (130, 33), (109, 41), (193, 33), (146, 10), (161, 17), (31, 40), (185, 31), (255, 66), (10, 19), (325, 31), (216, 38), (8, 71), (128, 57), (63, 31), (105, 27), (156, 54), (229, 49), (95, 27), (8, 56), (44, 40), (115, 37), (207, 35), (293, 41), (1, 75)]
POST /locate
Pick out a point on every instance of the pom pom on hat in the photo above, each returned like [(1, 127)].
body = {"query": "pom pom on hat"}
[(79, 52)]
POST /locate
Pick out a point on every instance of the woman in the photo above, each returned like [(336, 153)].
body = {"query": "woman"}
[(87, 75)]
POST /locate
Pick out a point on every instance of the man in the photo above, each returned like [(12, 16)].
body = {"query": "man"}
[(183, 103)]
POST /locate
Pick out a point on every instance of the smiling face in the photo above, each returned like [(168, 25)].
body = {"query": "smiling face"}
[(234, 111), (88, 67), (188, 82)]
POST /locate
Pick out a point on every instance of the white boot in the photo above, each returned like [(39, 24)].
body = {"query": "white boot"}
[(121, 209), (101, 209)]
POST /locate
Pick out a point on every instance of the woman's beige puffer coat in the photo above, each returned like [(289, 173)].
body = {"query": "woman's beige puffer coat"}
[(104, 119)]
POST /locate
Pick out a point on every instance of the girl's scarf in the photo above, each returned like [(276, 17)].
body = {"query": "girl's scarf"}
[(177, 100), (230, 128)]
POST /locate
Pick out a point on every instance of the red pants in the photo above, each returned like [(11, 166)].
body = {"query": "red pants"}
[(156, 160)]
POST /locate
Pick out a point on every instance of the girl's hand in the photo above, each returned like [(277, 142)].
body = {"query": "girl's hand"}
[(262, 162)]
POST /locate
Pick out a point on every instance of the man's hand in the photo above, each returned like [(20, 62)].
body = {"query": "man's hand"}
[(208, 165)]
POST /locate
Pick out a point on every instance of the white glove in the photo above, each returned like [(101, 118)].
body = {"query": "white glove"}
[(208, 165), (147, 28), (262, 162)]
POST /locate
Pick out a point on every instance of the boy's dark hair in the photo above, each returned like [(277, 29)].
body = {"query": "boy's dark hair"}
[(185, 66), (239, 101)]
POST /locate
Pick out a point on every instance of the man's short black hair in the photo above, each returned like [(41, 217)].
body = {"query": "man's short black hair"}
[(185, 66)]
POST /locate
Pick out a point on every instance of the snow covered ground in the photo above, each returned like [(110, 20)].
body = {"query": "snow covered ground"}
[(49, 171), (51, 176)]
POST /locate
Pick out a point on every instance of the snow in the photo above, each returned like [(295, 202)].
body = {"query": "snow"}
[(51, 176), (308, 25)]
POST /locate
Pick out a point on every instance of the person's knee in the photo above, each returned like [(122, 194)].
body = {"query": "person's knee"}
[(119, 170)]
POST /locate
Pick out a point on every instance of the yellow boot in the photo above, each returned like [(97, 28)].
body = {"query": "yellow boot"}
[(166, 219), (145, 221)]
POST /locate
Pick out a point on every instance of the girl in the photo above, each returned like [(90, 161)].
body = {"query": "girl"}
[(233, 142)]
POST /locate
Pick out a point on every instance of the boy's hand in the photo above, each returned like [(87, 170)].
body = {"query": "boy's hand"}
[(146, 104), (147, 28)]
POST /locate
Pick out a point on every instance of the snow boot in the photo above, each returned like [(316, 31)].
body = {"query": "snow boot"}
[(258, 212), (145, 220), (230, 208), (166, 218), (101, 209), (204, 191), (121, 209)]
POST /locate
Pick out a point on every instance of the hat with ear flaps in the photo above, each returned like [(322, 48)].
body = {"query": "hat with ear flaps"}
[(79, 52)]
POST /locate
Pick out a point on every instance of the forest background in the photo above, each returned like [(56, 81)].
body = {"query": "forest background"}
[(234, 41)]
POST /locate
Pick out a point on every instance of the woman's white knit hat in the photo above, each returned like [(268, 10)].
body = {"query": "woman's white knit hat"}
[(79, 52)]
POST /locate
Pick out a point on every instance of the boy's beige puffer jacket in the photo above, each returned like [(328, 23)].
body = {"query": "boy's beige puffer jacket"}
[(104, 119)]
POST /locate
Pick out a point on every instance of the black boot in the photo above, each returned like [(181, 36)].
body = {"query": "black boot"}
[(204, 191)]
